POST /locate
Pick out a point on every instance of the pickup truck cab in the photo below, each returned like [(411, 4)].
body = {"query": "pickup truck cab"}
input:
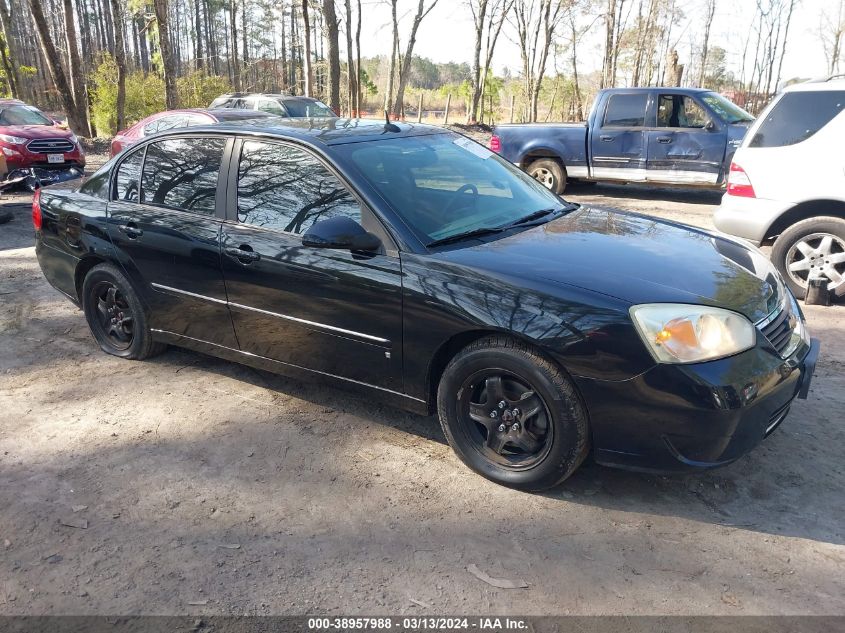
[(671, 136)]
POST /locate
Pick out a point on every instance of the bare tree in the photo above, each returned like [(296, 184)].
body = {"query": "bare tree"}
[(710, 10), (832, 32), (535, 25), (162, 11), (488, 17), (358, 62), (330, 17), (388, 96), (76, 69), (306, 34), (120, 60), (352, 88), (405, 70), (10, 54)]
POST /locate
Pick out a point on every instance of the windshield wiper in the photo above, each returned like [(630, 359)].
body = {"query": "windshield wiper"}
[(457, 237), (537, 215)]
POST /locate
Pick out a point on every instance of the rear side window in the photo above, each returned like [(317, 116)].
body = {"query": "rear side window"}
[(286, 188), (272, 106), (626, 110), (126, 185), (182, 173), (797, 117)]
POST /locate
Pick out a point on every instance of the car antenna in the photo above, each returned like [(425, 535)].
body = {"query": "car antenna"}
[(388, 126)]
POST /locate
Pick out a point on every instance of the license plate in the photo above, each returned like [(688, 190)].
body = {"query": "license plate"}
[(55, 158)]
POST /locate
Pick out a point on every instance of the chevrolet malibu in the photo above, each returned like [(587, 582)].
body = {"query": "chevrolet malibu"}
[(414, 266)]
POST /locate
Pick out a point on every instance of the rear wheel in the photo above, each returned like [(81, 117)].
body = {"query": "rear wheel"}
[(115, 314), (811, 248), (511, 415), (548, 172)]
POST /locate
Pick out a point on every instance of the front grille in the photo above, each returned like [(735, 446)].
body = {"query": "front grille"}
[(779, 330), (50, 146)]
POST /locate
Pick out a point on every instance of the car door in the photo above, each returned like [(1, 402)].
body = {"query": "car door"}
[(330, 311), (618, 144), (686, 145), (165, 226)]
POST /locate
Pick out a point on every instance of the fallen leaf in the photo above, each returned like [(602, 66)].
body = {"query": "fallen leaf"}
[(501, 583), (75, 522), (7, 543), (730, 599)]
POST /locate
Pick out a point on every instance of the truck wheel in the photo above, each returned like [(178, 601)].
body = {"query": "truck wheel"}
[(812, 247), (549, 173)]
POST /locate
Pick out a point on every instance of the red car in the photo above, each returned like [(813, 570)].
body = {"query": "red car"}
[(30, 139), (177, 118)]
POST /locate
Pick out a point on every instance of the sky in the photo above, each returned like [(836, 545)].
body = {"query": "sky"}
[(447, 35)]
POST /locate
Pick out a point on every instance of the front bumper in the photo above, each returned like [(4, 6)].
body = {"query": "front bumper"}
[(674, 418), (748, 218)]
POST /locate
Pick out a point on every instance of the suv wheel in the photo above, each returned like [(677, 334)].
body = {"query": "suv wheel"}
[(511, 415), (811, 248), (549, 173)]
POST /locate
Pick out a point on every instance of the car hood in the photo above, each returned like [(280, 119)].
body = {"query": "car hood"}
[(635, 258), (36, 131)]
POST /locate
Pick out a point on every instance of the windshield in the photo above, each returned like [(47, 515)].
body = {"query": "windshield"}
[(23, 115), (297, 108), (726, 109), (445, 185)]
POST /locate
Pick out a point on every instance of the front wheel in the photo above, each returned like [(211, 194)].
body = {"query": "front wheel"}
[(511, 415), (549, 173), (811, 248)]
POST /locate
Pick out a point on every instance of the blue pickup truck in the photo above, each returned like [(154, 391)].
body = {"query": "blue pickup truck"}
[(671, 136)]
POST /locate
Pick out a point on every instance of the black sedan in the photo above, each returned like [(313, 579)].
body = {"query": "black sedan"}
[(416, 267)]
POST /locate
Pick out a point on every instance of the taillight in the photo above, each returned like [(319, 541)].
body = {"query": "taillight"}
[(37, 219), (495, 144), (738, 182)]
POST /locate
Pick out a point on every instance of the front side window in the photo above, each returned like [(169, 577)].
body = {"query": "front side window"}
[(797, 117), (286, 188), (272, 106), (128, 177), (182, 173), (726, 109), (444, 185), (306, 108), (626, 110), (679, 111)]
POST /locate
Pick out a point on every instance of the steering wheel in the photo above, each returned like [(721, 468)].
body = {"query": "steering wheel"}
[(458, 194)]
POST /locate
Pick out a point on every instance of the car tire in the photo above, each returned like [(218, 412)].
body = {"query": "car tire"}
[(115, 315), (537, 439), (810, 245), (550, 173)]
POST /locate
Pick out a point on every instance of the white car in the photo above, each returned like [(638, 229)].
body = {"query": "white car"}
[(787, 185)]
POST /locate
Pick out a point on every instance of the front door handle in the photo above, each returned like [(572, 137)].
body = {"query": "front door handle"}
[(243, 253), (131, 230), (664, 139), (606, 137)]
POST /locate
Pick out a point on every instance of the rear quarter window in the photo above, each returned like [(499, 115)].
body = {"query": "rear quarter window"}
[(127, 180), (797, 116)]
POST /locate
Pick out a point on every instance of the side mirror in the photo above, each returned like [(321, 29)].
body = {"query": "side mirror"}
[(709, 126), (341, 233)]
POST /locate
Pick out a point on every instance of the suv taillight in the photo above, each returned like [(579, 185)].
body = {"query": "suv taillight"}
[(37, 219), (738, 183), (495, 144)]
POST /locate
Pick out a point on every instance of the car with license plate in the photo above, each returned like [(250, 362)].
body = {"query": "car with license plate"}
[(416, 267), (36, 146)]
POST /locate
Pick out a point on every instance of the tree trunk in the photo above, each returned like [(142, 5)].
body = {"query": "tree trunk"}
[(120, 59), (479, 16), (168, 67), (330, 17), (309, 72), (711, 9), (143, 42), (77, 71), (54, 64), (358, 62), (350, 64), (199, 52), (233, 47), (11, 57), (388, 97)]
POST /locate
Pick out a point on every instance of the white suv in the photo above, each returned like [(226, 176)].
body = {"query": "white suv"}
[(787, 185)]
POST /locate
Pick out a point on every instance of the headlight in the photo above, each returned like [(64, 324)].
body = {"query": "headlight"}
[(73, 139), (681, 333), (13, 140)]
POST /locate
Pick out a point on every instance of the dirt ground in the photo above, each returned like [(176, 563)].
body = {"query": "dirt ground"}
[(188, 484)]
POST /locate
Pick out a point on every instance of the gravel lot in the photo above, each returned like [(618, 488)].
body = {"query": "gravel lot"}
[(188, 484)]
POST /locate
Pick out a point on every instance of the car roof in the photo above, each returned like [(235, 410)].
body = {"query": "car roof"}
[(325, 130), (836, 82), (661, 89), (281, 96)]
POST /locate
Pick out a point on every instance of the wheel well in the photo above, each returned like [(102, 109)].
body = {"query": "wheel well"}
[(82, 268), (537, 154), (803, 211)]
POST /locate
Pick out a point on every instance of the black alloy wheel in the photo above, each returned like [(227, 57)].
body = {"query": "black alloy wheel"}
[(114, 319)]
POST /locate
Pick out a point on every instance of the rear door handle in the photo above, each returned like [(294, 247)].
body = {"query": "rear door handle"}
[(131, 230), (243, 253), (664, 139), (606, 137)]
